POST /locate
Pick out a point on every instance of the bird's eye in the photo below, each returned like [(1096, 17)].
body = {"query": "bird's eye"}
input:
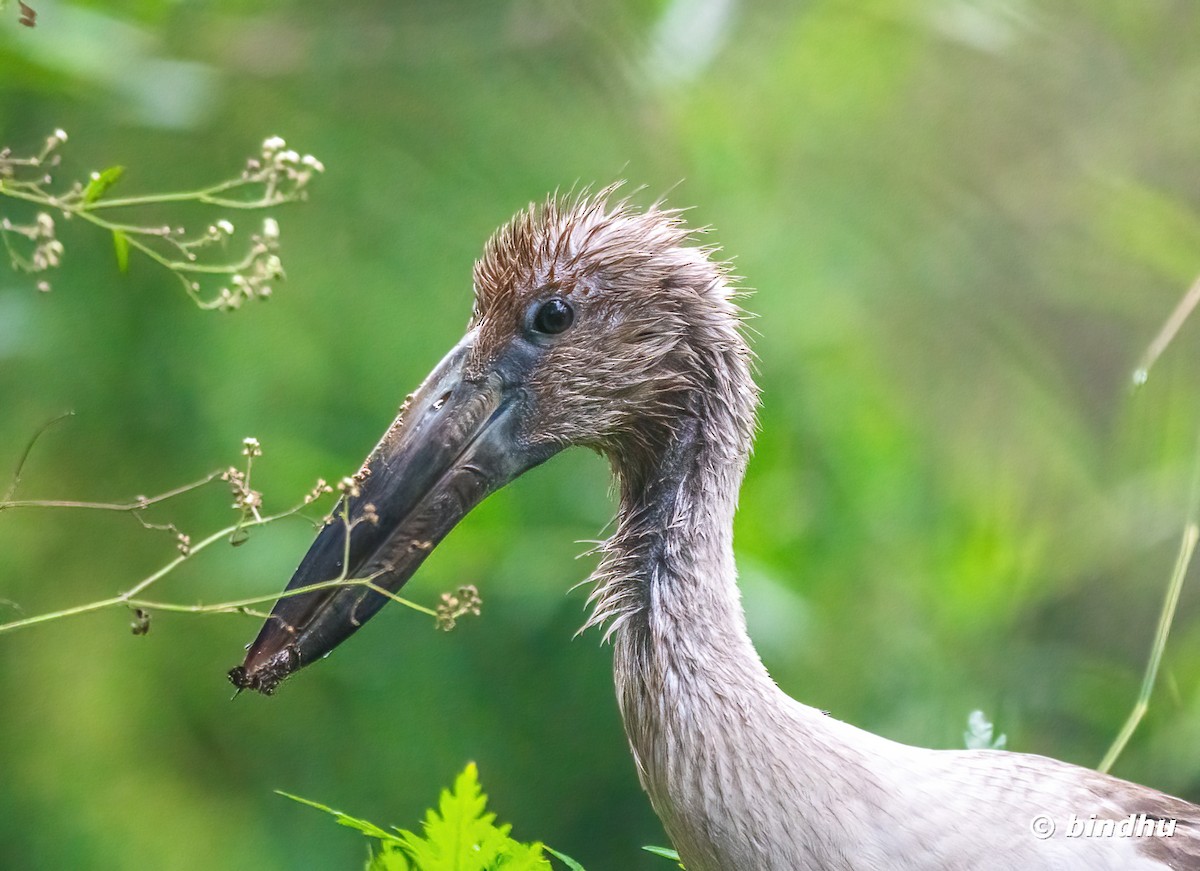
[(553, 316)]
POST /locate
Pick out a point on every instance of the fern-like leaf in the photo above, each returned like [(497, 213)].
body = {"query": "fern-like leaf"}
[(458, 835)]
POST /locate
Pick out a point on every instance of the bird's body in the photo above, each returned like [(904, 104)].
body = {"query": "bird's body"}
[(744, 777), (651, 369)]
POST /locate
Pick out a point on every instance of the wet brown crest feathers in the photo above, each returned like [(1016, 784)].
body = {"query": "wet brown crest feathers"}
[(679, 348)]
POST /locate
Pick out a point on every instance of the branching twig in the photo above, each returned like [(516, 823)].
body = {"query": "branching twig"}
[(132, 598), (278, 175), (248, 503)]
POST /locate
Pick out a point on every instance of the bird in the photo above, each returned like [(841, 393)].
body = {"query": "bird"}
[(601, 324)]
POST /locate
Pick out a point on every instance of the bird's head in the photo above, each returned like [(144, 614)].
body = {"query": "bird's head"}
[(594, 324)]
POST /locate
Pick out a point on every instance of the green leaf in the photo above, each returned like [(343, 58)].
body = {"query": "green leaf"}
[(664, 852), (461, 823), (565, 859), (101, 182), (121, 247), (388, 858), (369, 829), (459, 835), (515, 856), (980, 732)]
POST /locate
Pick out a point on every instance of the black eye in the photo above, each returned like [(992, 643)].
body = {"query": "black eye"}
[(553, 316)]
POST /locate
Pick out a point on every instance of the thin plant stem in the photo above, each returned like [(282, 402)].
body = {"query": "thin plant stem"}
[(238, 605), (24, 458), (207, 196), (132, 597), (136, 505), (1167, 332), (249, 518), (1187, 546)]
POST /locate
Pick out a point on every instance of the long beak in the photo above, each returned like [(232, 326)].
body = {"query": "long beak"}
[(453, 444)]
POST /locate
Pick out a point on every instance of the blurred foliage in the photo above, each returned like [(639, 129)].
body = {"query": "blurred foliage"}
[(964, 221)]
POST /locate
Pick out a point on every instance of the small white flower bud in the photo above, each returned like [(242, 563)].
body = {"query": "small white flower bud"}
[(53, 252)]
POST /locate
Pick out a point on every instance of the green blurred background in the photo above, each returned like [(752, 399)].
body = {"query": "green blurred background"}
[(964, 220)]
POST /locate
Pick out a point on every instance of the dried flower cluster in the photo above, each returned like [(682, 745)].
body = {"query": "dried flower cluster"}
[(463, 601), (10, 164), (183, 541), (283, 171), (46, 251), (245, 498), (140, 624), (256, 280), (319, 489)]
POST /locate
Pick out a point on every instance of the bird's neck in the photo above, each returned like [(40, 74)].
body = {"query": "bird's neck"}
[(687, 676), (675, 534), (680, 634)]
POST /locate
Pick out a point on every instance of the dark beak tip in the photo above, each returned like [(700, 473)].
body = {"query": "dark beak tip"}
[(458, 442), (265, 677)]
